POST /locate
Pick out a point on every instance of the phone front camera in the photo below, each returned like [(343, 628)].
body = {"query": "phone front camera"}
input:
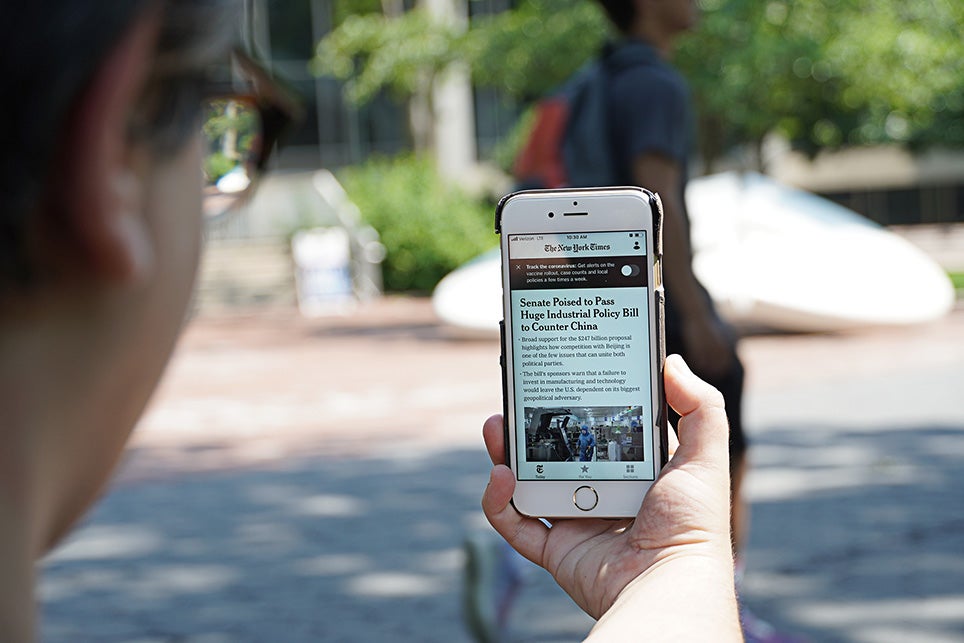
[(575, 202), (551, 214)]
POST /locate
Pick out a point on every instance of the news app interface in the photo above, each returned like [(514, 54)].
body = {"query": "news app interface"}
[(581, 356)]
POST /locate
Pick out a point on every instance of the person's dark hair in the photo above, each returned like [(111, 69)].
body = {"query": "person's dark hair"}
[(49, 49), (622, 13)]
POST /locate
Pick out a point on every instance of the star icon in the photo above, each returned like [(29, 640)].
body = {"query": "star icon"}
[(585, 469)]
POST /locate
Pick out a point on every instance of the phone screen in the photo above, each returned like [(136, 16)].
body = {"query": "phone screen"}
[(581, 356)]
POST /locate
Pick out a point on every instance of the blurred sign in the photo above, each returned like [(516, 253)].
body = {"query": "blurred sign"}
[(322, 259)]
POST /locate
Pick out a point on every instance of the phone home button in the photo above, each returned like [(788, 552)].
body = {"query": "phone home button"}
[(585, 498)]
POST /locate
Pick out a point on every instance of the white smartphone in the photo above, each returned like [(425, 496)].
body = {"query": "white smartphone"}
[(582, 349)]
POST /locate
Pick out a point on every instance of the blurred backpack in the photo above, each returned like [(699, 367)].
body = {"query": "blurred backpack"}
[(569, 143)]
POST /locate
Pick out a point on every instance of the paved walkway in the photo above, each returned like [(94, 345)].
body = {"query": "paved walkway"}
[(305, 480)]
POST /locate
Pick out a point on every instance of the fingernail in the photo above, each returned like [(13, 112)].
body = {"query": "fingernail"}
[(677, 363)]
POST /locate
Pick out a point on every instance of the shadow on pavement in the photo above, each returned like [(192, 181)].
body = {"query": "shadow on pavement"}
[(362, 549), (857, 536)]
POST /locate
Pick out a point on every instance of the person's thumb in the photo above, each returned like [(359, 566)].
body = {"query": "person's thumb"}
[(703, 429)]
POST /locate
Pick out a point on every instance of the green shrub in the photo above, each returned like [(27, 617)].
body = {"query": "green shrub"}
[(957, 278), (428, 226)]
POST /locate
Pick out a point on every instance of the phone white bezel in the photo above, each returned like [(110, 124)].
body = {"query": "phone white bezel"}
[(606, 209)]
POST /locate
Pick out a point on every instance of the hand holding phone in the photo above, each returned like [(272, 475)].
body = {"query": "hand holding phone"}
[(670, 570), (582, 349)]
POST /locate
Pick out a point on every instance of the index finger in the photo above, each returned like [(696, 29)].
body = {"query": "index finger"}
[(493, 433)]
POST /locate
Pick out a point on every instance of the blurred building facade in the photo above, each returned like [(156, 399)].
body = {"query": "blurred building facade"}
[(336, 133), (891, 186)]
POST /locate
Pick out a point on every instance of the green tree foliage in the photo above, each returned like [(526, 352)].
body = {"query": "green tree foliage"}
[(374, 52), (828, 73), (524, 52), (904, 68), (824, 73), (396, 51), (529, 51), (344, 9)]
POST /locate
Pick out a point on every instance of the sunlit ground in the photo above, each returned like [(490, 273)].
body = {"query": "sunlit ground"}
[(313, 480)]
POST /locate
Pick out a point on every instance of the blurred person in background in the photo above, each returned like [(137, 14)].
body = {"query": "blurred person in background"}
[(651, 129), (651, 124), (651, 137)]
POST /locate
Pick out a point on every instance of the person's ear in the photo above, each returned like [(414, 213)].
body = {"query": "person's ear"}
[(101, 174)]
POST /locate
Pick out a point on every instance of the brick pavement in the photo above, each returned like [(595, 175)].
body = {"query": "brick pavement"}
[(386, 379), (303, 480)]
